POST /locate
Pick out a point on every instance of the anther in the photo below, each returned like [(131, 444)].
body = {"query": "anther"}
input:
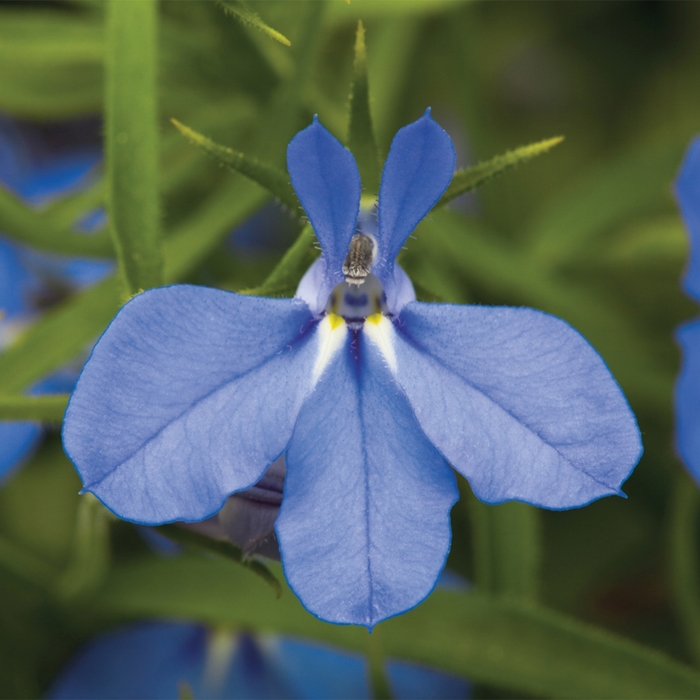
[(358, 261)]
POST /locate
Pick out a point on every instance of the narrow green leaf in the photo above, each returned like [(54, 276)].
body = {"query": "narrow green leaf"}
[(251, 19), (361, 139), (685, 568), (193, 540), (471, 178), (490, 640), (283, 280), (49, 408), (42, 230), (507, 548), (272, 179), (131, 128)]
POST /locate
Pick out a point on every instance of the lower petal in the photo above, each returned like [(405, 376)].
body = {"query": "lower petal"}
[(364, 526)]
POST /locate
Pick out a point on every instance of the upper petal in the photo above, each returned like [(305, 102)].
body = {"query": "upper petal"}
[(364, 526), (188, 396), (688, 193), (326, 179), (417, 171), (686, 397), (517, 401)]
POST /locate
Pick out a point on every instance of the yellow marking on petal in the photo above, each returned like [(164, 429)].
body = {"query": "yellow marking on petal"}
[(335, 320), (381, 332)]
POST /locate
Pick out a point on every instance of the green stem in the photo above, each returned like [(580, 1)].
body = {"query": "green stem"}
[(41, 408), (132, 140)]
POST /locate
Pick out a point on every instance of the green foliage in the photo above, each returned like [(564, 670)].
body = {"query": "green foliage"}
[(221, 548), (42, 408), (43, 230), (131, 132), (470, 178), (249, 18), (360, 132), (485, 638), (603, 602), (275, 181)]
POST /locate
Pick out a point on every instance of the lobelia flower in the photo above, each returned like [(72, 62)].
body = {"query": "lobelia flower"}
[(163, 659), (687, 189), (192, 393)]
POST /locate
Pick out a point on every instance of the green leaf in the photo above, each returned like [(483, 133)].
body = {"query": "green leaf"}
[(193, 540), (607, 196), (43, 230), (361, 139), (490, 640), (685, 568), (50, 63), (131, 129), (272, 179), (471, 178), (507, 548), (49, 408), (251, 19), (283, 280)]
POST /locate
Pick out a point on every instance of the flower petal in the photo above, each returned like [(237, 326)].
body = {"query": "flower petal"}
[(687, 404), (189, 396), (517, 401), (326, 179), (688, 194), (417, 171), (364, 526)]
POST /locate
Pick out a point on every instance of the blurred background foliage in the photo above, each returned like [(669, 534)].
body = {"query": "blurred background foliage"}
[(595, 602)]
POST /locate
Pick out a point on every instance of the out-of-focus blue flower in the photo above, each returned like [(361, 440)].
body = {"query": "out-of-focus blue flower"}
[(192, 393), (29, 280), (163, 659), (688, 385)]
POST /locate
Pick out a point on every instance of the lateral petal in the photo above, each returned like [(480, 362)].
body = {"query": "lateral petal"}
[(190, 394), (364, 525), (517, 401)]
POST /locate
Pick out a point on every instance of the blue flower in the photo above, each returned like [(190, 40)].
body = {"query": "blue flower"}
[(162, 659), (688, 385), (192, 393)]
